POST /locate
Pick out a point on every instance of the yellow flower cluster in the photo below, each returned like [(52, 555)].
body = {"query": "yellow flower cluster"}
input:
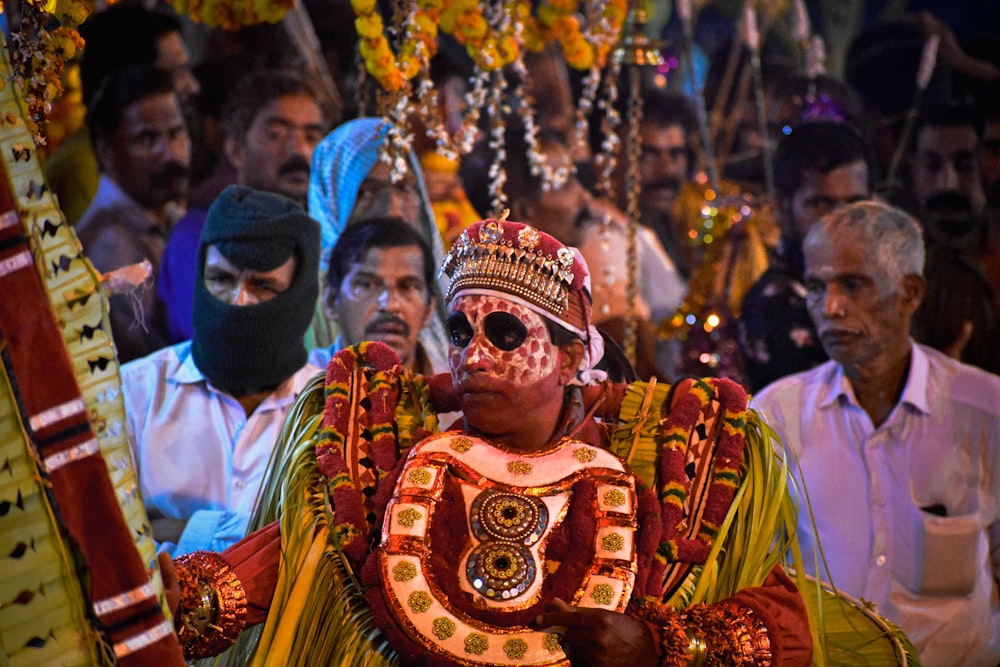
[(419, 43), (233, 14), (557, 20), (490, 46), (464, 20)]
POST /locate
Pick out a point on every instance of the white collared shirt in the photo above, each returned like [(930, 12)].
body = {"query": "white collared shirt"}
[(869, 489), (197, 455)]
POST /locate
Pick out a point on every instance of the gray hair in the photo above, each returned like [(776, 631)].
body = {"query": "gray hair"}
[(894, 235)]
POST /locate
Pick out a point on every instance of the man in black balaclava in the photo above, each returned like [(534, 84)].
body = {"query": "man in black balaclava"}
[(203, 415)]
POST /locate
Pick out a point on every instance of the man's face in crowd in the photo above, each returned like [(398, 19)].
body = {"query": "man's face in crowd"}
[(237, 286), (947, 182), (149, 153), (378, 196), (384, 297), (172, 57), (822, 193), (277, 152), (990, 159), (663, 167), (862, 314), (503, 361)]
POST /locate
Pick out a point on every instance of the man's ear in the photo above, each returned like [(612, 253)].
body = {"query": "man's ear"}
[(233, 151), (104, 152), (913, 289), (329, 303), (572, 355)]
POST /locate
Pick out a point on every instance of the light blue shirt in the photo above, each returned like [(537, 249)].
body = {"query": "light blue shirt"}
[(870, 489), (197, 455)]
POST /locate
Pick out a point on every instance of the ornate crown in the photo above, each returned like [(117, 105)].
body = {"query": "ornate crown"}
[(517, 259)]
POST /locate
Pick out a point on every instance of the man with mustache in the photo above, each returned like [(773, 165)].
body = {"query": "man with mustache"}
[(897, 444), (668, 120), (203, 415), (959, 311), (272, 124), (378, 287), (143, 150), (947, 181), (118, 35)]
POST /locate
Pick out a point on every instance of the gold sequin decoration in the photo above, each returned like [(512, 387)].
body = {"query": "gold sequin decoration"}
[(419, 477), (585, 454), (566, 257), (408, 517), (461, 444), (476, 644), (613, 542), (519, 467), (443, 628), (529, 238), (420, 601), (404, 571), (614, 498), (603, 594), (551, 643), (491, 232), (515, 648)]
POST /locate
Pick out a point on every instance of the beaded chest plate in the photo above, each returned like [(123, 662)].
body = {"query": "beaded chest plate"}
[(513, 504)]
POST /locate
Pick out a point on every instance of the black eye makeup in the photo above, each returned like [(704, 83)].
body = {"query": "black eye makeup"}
[(459, 330), (504, 330)]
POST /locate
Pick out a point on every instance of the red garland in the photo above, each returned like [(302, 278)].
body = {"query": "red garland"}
[(674, 433), (380, 369)]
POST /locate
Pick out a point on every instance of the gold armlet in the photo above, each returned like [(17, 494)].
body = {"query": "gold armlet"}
[(213, 605), (727, 634)]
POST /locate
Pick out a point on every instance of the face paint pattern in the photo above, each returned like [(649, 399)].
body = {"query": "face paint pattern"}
[(533, 360)]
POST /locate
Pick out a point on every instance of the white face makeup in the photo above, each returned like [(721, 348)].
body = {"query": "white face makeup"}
[(504, 340)]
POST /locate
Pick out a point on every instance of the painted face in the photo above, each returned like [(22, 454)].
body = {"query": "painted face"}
[(505, 368), (502, 340)]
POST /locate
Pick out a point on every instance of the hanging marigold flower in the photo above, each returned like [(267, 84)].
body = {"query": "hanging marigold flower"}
[(363, 7), (368, 27)]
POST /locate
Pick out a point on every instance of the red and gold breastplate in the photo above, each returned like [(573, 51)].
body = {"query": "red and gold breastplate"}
[(533, 526)]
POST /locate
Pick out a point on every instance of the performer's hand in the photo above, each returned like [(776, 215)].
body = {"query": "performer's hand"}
[(171, 588), (600, 638)]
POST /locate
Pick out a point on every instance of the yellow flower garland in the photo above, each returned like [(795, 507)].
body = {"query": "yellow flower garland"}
[(491, 47), (233, 14), (419, 44)]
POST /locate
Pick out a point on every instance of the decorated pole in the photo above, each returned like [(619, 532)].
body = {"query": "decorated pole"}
[(81, 584)]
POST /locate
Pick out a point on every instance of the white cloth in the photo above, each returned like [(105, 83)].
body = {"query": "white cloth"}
[(868, 487), (197, 455)]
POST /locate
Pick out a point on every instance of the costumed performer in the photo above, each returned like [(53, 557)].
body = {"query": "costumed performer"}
[(475, 543)]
